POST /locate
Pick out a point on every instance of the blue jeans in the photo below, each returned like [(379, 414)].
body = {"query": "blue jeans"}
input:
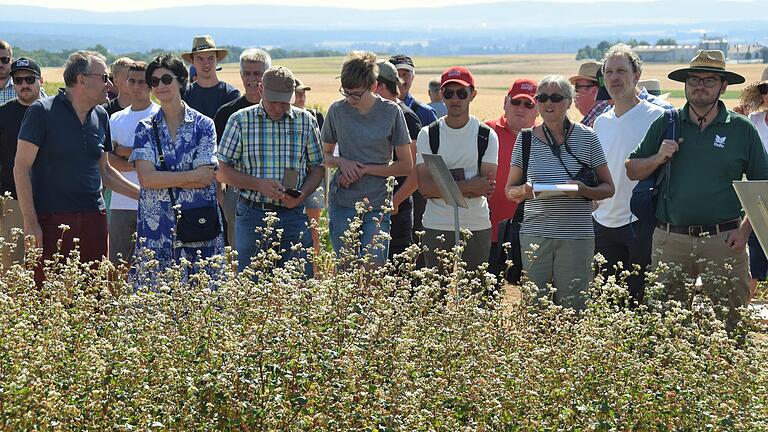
[(293, 222), (339, 220)]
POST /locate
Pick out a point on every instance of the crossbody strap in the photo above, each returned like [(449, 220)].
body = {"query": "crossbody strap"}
[(161, 158)]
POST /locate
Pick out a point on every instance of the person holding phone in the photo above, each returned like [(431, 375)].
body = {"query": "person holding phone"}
[(271, 153)]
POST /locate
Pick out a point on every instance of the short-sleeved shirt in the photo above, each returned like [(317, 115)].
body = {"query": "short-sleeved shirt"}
[(195, 146), (65, 175), (208, 100), (11, 115), (414, 127), (261, 147), (458, 148), (703, 170), (226, 111), (502, 208), (426, 113), (758, 119), (368, 138), (559, 217), (123, 124)]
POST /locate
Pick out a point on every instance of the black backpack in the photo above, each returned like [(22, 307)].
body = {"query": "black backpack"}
[(482, 140), (646, 194)]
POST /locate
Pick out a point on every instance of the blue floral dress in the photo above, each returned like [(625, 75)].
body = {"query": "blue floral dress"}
[(195, 146)]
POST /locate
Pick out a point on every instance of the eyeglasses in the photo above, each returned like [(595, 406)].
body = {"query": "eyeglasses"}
[(763, 88), (460, 93), (104, 77), (347, 94), (580, 87), (516, 102), (554, 97), (708, 82), (165, 79), (5, 60), (27, 79)]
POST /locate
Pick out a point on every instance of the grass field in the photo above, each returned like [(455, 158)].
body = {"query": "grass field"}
[(494, 74)]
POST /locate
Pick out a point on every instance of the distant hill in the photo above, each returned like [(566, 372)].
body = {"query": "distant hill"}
[(513, 26)]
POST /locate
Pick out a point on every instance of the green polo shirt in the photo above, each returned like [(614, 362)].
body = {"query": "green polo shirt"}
[(701, 190)]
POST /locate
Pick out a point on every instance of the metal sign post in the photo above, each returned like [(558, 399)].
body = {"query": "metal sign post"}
[(449, 190)]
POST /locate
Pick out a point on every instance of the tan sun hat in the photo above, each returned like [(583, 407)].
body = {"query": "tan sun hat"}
[(764, 76), (204, 44), (712, 61), (587, 71), (652, 86)]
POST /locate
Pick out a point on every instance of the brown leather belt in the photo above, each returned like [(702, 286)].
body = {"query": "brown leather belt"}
[(698, 230), (262, 205)]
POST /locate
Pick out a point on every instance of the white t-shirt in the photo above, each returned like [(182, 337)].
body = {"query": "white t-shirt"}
[(122, 125), (618, 137), (458, 147), (758, 118)]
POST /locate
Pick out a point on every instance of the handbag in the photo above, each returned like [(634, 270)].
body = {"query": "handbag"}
[(509, 230), (645, 194), (193, 225)]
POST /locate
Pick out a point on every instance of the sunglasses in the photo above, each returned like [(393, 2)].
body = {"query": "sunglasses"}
[(526, 103), (460, 93), (5, 60), (165, 79), (763, 88), (580, 87), (348, 94), (554, 97), (27, 79), (104, 77)]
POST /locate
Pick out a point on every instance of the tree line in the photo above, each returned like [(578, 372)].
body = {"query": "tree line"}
[(589, 52), (46, 58)]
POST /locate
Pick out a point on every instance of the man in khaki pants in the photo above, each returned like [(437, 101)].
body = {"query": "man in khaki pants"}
[(699, 215), (26, 83)]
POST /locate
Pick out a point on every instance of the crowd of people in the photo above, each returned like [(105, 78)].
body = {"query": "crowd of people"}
[(204, 165)]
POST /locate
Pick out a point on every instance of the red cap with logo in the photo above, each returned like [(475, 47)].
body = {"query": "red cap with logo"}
[(523, 88), (459, 75)]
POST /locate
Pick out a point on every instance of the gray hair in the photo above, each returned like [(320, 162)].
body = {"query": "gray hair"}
[(558, 80), (434, 85), (253, 55), (79, 63), (625, 50)]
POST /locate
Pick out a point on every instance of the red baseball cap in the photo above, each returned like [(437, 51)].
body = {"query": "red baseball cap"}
[(459, 75), (523, 88)]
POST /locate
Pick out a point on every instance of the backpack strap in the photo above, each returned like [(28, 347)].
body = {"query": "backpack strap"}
[(483, 132), (434, 137)]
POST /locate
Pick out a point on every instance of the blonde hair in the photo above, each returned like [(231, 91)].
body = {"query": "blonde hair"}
[(119, 65), (359, 70)]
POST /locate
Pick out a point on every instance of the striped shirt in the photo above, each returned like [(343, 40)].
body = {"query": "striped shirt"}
[(559, 217), (256, 145), (8, 92)]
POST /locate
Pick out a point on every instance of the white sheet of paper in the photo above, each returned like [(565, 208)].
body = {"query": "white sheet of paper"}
[(543, 190)]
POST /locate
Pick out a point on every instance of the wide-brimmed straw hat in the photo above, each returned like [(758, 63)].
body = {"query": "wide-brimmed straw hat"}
[(712, 61), (202, 44)]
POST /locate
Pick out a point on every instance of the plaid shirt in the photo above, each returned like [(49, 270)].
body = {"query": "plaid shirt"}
[(9, 93), (599, 108), (262, 148)]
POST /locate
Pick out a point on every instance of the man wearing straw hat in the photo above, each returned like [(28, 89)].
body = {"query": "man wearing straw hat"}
[(208, 93), (699, 224), (587, 85)]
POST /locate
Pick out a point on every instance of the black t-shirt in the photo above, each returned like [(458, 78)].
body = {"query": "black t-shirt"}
[(208, 100), (113, 106), (318, 116), (414, 127), (226, 111), (11, 114)]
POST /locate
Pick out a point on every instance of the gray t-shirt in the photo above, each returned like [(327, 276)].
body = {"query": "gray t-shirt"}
[(366, 138)]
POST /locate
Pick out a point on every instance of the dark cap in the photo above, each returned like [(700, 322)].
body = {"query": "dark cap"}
[(402, 61), (24, 63), (602, 92)]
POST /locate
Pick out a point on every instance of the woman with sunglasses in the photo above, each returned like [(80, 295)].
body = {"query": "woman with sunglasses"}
[(754, 104), (177, 171), (367, 130), (562, 152)]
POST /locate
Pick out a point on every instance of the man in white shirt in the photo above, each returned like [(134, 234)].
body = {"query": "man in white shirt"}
[(620, 131), (122, 221), (459, 145)]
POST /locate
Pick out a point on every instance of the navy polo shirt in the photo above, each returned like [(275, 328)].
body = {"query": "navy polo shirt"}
[(65, 174)]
